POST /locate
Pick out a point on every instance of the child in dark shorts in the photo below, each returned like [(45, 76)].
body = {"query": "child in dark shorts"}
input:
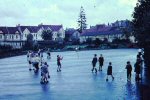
[(94, 61), (44, 73), (59, 63), (109, 71), (129, 70)]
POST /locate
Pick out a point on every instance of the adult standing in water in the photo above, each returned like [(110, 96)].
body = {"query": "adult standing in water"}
[(137, 71), (101, 62), (59, 63), (139, 63), (94, 61)]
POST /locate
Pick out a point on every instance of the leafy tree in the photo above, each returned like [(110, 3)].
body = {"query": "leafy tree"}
[(67, 37), (127, 32), (29, 37), (141, 23), (97, 41), (105, 40), (46, 35), (82, 20), (29, 43), (89, 41)]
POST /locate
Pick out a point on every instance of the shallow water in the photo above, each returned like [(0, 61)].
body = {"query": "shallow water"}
[(75, 82)]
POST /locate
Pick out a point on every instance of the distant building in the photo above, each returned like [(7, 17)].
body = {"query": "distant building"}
[(36, 31), (71, 34), (121, 24), (57, 30), (10, 36), (101, 32)]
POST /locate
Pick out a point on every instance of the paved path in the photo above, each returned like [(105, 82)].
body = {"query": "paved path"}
[(75, 82)]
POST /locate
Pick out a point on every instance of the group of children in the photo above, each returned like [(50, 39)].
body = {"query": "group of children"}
[(36, 61), (137, 65), (101, 62)]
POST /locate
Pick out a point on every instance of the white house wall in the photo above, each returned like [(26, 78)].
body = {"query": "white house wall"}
[(54, 37), (62, 33), (101, 37), (25, 33), (36, 36), (39, 34)]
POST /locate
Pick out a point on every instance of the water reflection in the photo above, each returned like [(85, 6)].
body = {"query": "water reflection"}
[(45, 87)]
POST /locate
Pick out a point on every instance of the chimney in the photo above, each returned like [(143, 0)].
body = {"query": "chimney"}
[(40, 24), (17, 25)]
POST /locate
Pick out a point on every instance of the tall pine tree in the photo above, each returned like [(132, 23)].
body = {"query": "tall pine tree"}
[(82, 20)]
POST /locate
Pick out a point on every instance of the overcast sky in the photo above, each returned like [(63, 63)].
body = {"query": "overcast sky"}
[(65, 12)]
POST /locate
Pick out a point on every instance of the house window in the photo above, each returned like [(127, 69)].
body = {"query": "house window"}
[(9, 36), (12, 37), (0, 36), (16, 36), (36, 36)]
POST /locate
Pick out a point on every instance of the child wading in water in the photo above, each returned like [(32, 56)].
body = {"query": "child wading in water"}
[(94, 61), (44, 73), (36, 61), (129, 70), (101, 61), (59, 63), (30, 60), (48, 55), (109, 71)]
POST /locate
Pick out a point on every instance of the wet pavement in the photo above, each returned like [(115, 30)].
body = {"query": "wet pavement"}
[(75, 82)]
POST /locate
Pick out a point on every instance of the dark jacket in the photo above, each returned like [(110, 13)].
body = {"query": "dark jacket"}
[(137, 68), (101, 59), (129, 68), (94, 61)]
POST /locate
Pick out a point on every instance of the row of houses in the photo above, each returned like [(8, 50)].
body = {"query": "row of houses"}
[(101, 32), (110, 31), (20, 32), (15, 36)]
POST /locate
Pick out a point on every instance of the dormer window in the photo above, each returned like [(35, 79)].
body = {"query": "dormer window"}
[(1, 31), (17, 32)]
